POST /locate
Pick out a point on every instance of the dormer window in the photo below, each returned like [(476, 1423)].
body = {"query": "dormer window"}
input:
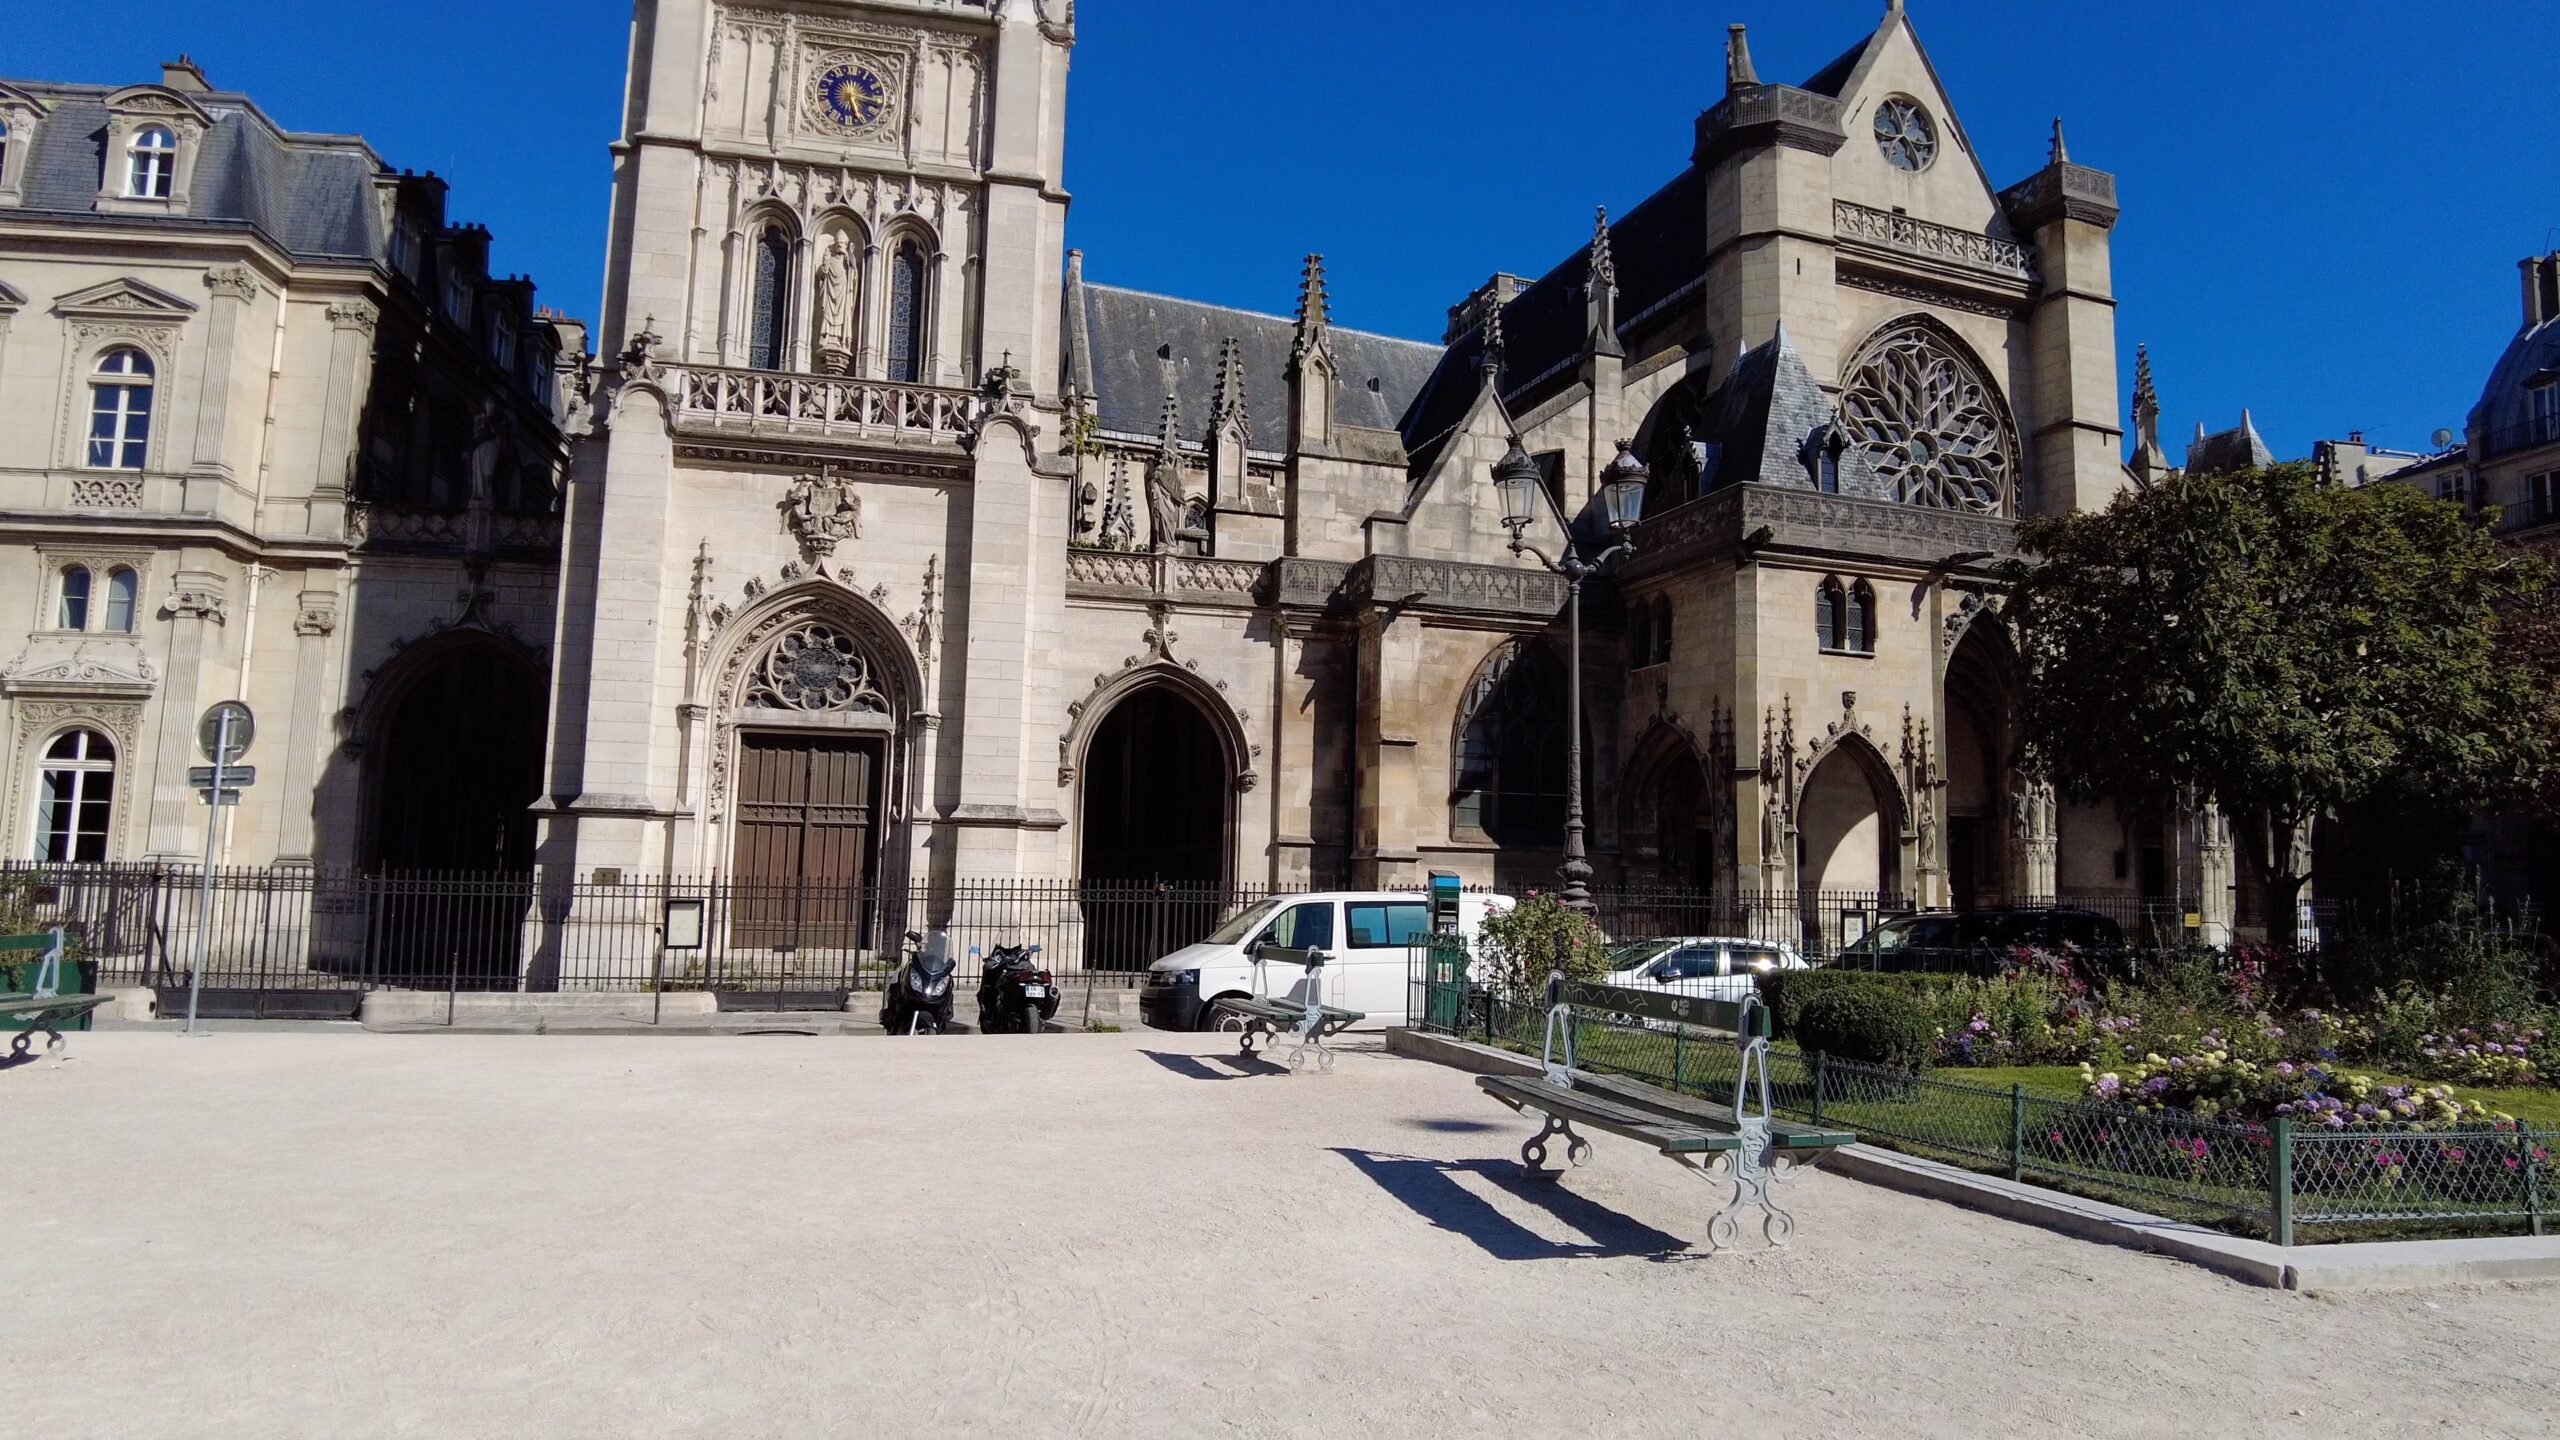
[(2542, 411), (152, 168)]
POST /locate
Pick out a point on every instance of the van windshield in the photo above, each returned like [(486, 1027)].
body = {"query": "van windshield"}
[(1234, 931)]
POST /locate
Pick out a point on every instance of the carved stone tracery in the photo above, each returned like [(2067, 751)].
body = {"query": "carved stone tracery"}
[(1929, 423)]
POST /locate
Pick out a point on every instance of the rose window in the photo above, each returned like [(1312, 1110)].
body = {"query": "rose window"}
[(819, 669), (1930, 425)]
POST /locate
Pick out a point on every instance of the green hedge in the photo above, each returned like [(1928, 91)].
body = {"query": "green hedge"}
[(1786, 991)]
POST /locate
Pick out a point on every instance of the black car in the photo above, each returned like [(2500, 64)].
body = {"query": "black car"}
[(1980, 942)]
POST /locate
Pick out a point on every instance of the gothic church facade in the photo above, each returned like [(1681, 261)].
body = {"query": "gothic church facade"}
[(900, 553)]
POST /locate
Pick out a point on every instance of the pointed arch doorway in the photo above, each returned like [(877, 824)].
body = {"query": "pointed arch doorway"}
[(1155, 825)]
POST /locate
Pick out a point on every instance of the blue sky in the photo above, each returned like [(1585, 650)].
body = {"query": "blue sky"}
[(2324, 202)]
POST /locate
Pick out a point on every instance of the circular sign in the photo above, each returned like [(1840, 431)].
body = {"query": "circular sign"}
[(209, 736)]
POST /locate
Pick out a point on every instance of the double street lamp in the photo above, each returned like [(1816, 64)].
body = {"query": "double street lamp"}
[(1519, 482)]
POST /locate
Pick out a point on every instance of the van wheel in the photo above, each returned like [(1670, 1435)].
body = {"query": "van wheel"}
[(1223, 1022)]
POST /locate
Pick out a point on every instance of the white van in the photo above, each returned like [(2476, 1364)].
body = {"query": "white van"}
[(1369, 934)]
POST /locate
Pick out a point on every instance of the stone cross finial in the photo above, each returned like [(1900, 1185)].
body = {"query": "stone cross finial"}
[(1737, 60)]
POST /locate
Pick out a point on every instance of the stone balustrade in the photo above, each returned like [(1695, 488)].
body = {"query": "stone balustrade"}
[(1937, 242), (769, 403)]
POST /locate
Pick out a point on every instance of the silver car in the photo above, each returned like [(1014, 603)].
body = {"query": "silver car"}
[(1713, 966)]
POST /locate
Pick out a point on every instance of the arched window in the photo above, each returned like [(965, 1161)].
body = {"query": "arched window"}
[(76, 798), (120, 410), (4, 148), (154, 168), (1662, 631), (907, 306), (73, 613), (770, 316), (1831, 616), (121, 585), (1931, 425), (1862, 619), (1640, 636), (1511, 750)]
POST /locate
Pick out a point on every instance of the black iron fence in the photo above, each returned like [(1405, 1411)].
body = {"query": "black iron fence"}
[(266, 932)]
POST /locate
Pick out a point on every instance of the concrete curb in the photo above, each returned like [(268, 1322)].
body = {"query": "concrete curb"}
[(512, 1010), (2371, 1266)]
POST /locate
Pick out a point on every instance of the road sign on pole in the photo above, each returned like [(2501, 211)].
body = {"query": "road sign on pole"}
[(224, 734)]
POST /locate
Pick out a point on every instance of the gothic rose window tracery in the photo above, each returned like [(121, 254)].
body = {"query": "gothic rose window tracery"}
[(819, 670), (1930, 424)]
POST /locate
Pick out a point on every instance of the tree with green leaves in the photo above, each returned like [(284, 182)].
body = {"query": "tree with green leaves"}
[(2285, 645)]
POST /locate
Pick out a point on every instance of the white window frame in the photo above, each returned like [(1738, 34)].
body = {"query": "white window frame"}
[(82, 772), (126, 382), (151, 169)]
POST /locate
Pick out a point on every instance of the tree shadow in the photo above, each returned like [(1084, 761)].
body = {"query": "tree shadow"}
[(1429, 1188), (1238, 1067)]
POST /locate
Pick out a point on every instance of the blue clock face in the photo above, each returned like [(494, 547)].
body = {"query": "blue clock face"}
[(854, 95)]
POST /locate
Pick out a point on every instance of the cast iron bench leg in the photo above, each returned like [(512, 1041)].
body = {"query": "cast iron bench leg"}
[(1533, 1152), (1752, 1169)]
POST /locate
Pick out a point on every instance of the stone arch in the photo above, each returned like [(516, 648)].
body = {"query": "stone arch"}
[(1670, 804), (1850, 816), (1159, 765), (1977, 744), (1507, 758), (726, 683), (423, 739), (1925, 422)]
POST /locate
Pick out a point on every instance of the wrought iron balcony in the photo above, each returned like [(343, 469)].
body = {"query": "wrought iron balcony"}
[(1889, 231), (768, 403)]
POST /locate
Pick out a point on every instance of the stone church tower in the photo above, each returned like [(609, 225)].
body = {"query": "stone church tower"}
[(901, 554), (803, 626)]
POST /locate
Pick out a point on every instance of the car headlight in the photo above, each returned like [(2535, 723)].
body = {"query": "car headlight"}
[(1177, 978)]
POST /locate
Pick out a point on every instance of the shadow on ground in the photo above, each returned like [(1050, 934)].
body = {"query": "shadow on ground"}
[(1430, 1189), (1216, 1067)]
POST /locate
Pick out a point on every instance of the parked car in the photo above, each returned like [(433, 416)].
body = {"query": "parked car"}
[(1713, 966), (1370, 936), (1980, 942)]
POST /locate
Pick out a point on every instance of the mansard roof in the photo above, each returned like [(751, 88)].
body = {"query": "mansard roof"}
[(2504, 411), (312, 195), (1134, 346)]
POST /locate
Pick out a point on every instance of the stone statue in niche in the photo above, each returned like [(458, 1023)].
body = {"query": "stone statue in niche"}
[(1164, 504), (835, 306), (487, 441)]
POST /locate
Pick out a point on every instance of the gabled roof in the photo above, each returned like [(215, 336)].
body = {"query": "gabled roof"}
[(2238, 448), (1133, 347)]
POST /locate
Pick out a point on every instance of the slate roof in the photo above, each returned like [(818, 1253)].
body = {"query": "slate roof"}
[(2223, 451), (2503, 409), (1126, 345), (1659, 248), (311, 195), (1759, 423)]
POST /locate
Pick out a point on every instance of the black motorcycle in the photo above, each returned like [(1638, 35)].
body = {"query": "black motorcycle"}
[(1017, 997), (918, 1000)]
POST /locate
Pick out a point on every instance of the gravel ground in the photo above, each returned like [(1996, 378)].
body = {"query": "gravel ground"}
[(359, 1235)]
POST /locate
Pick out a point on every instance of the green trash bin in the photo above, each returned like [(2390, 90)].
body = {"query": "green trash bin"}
[(19, 970)]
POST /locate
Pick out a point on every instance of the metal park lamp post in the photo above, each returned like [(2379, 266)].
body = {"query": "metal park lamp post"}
[(1622, 484)]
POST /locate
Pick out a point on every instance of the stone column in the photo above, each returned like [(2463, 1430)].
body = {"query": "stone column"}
[(307, 741), (352, 324), (232, 288), (194, 608), (1386, 827), (2075, 440), (1015, 589)]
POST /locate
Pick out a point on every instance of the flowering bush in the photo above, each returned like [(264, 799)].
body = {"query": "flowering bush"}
[(2495, 1054), (2212, 1083)]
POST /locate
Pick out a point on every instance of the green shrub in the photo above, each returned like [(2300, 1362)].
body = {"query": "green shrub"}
[(1518, 948), (1786, 992), (1878, 1024)]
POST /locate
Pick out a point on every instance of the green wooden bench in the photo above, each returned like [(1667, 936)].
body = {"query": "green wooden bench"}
[(42, 1008), (1742, 1142), (1260, 1021)]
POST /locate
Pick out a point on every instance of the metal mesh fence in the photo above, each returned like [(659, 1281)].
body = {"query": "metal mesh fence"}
[(2268, 1180)]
